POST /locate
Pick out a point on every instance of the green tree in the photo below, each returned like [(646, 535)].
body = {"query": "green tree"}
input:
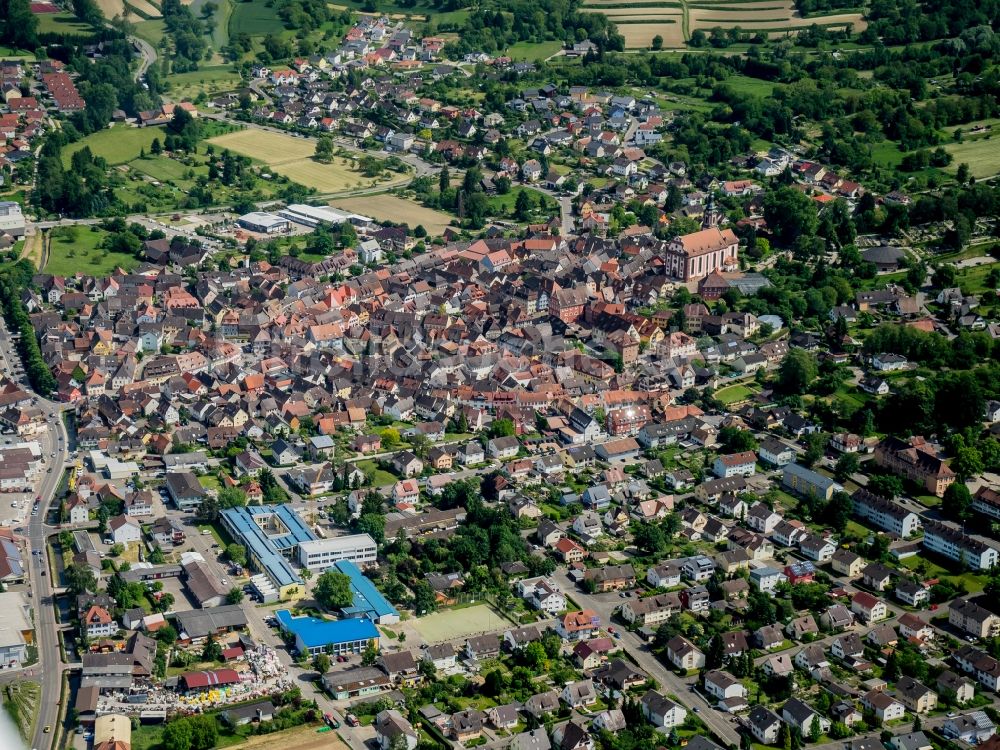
[(80, 579), (321, 663), (797, 371), (235, 595), (212, 650), (735, 440), (847, 464), (790, 214), (333, 590), (370, 654), (956, 503), (237, 553), (324, 149), (501, 428), (523, 205), (232, 497), (178, 735)]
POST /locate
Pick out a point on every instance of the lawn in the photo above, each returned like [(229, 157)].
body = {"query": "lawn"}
[(887, 154), (981, 154), (381, 477), (152, 31), (734, 393), (255, 18), (504, 204), (78, 252), (754, 86), (165, 169), (63, 23), (117, 144), (533, 50), (974, 279), (209, 79)]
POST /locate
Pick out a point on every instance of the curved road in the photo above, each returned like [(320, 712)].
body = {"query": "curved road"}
[(55, 447), (146, 52)]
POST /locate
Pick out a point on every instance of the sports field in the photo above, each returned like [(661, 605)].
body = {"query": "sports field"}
[(459, 623), (400, 210), (117, 144), (292, 157)]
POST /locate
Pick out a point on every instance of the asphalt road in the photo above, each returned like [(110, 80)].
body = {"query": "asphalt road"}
[(147, 56), (54, 442)]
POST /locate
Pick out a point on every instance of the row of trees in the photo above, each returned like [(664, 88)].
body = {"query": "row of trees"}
[(18, 322)]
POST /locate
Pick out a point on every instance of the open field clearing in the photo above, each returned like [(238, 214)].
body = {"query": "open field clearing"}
[(118, 144), (640, 35), (393, 208), (981, 154), (292, 157), (459, 623)]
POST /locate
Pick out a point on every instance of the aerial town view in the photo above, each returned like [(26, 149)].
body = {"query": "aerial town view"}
[(549, 375)]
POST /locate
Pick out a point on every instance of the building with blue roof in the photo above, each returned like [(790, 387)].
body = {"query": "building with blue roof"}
[(271, 535), (314, 635), (368, 601)]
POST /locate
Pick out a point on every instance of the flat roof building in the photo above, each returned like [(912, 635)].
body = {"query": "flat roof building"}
[(271, 535), (321, 554), (11, 219), (317, 636), (313, 216), (368, 600), (263, 222), (16, 630)]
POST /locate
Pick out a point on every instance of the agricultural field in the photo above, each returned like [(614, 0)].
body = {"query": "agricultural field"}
[(392, 208), (675, 21), (117, 144), (145, 8), (292, 157)]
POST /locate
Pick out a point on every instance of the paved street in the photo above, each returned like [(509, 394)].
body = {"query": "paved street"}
[(54, 443)]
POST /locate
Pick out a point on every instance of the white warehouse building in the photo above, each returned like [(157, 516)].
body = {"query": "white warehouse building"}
[(321, 554), (264, 223), (314, 216)]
